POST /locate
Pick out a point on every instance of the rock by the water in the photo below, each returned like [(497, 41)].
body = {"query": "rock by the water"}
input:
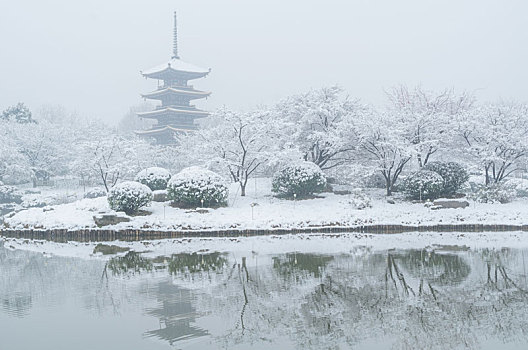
[(391, 201), (159, 196), (110, 219), (450, 203)]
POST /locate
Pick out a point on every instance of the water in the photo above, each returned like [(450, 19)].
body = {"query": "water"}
[(436, 298)]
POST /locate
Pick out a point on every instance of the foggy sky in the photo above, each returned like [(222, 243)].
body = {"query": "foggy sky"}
[(86, 55)]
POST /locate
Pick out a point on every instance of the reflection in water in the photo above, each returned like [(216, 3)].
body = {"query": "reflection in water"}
[(176, 314), (429, 298)]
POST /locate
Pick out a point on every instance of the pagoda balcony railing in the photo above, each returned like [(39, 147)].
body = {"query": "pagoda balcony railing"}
[(182, 87), (189, 107)]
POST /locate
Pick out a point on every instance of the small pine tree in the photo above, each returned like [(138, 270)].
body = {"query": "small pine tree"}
[(19, 113)]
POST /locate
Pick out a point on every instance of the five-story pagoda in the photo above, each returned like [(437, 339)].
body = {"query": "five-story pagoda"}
[(175, 114)]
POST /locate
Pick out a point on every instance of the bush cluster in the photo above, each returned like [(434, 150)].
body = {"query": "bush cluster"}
[(435, 180), (495, 193), (155, 178), (302, 179), (129, 196), (195, 186), (9, 194), (454, 175), (423, 184)]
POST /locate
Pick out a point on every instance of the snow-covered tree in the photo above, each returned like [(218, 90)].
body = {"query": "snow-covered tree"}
[(14, 166), (496, 135), (383, 141), (41, 145), (240, 143), (109, 159), (427, 117), (320, 123), (19, 113)]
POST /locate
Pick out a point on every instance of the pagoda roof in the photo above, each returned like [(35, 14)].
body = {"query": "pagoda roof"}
[(171, 90), (159, 112), (177, 67), (162, 130)]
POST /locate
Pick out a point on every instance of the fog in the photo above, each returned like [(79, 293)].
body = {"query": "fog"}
[(87, 56)]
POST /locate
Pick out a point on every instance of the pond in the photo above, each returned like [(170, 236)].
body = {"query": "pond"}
[(433, 297)]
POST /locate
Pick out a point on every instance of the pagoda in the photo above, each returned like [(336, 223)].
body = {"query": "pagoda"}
[(175, 115)]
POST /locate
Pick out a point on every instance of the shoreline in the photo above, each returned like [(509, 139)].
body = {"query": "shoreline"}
[(93, 234)]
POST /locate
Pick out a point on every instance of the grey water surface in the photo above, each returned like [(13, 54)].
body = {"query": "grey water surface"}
[(438, 298)]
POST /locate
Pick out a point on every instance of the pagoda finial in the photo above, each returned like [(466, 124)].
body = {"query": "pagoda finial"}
[(175, 39)]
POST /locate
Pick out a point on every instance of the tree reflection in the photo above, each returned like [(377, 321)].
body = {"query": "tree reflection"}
[(291, 264), (439, 268), (194, 263), (419, 299), (132, 262), (425, 299)]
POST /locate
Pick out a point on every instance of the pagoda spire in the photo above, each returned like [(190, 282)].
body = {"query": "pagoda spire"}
[(175, 39)]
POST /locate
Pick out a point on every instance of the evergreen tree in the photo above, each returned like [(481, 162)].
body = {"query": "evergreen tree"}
[(19, 113)]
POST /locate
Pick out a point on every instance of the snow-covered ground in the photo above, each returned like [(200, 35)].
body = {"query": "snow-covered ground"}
[(260, 210)]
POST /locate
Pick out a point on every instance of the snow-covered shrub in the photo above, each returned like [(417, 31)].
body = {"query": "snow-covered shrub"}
[(129, 196), (423, 184), (519, 185), (155, 178), (302, 179), (95, 193), (9, 194), (454, 175), (359, 200), (495, 193), (193, 185)]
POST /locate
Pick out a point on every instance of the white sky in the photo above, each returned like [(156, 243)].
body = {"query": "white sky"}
[(86, 55)]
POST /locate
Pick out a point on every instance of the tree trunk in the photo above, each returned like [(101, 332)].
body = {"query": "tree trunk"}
[(389, 188), (242, 190)]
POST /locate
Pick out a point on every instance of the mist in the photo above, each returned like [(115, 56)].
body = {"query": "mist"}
[(87, 56)]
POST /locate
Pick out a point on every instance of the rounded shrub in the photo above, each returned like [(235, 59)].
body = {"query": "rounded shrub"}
[(155, 178), (193, 185), (493, 193), (454, 175), (423, 184), (129, 196), (302, 179)]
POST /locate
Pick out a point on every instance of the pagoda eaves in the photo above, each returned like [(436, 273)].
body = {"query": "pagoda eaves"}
[(163, 92), (192, 112), (175, 69)]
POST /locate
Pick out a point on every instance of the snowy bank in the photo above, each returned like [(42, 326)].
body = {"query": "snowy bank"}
[(260, 211)]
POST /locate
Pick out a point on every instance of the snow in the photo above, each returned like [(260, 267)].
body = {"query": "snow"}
[(153, 173), (259, 210), (209, 184), (130, 187)]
